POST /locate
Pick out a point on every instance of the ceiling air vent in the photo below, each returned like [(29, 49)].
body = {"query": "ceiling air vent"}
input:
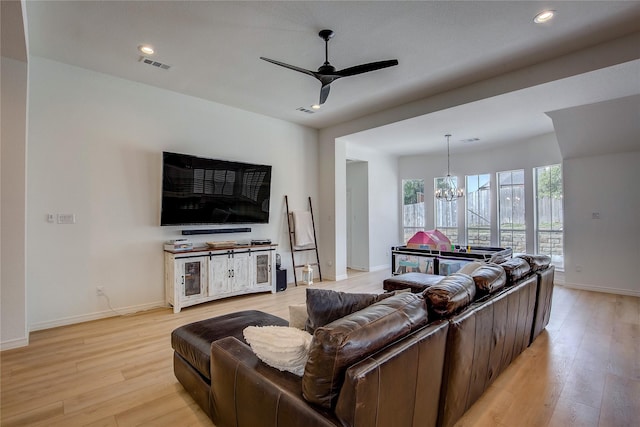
[(305, 110), (154, 63)]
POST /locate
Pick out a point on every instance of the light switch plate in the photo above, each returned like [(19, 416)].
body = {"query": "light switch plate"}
[(66, 218)]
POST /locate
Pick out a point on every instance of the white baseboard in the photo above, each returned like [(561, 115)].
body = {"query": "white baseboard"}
[(381, 267), (38, 326), (604, 289), (14, 343)]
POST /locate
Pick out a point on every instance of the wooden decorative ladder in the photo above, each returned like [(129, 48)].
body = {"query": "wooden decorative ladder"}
[(292, 239)]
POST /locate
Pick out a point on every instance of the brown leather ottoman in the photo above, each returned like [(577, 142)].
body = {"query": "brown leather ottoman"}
[(416, 282), (192, 345)]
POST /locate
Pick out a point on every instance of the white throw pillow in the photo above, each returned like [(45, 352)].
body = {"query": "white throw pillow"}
[(281, 347), (298, 315)]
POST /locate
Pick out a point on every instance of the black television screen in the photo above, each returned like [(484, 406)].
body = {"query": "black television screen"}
[(197, 190)]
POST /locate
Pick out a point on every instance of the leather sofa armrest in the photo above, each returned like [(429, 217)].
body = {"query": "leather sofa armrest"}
[(245, 392), (544, 296)]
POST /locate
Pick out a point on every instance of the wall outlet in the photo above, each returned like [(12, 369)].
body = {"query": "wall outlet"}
[(100, 291)]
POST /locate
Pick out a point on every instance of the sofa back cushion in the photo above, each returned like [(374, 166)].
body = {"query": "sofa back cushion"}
[(451, 294), (489, 278), (537, 262), (470, 267), (501, 256), (516, 269), (340, 344)]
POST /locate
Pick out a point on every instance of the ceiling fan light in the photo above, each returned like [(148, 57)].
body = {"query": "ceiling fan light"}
[(544, 16)]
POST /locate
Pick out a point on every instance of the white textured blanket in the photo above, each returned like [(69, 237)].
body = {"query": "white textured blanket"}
[(303, 230)]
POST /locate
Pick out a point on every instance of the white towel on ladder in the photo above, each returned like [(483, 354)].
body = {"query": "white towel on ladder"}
[(303, 230)]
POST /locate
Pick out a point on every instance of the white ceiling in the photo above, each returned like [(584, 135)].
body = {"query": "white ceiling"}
[(214, 48), (511, 117)]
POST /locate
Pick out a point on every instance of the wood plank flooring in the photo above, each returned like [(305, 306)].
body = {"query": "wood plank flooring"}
[(583, 370)]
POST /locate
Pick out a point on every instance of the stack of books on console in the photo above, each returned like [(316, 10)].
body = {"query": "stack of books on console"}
[(178, 245)]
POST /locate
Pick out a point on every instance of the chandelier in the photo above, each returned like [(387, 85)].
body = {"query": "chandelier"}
[(448, 190)]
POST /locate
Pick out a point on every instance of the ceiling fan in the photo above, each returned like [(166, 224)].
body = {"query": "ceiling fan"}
[(327, 73)]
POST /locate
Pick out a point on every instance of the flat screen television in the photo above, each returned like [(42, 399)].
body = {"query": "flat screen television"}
[(198, 190)]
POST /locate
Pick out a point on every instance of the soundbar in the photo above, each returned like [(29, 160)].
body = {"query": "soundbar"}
[(216, 231)]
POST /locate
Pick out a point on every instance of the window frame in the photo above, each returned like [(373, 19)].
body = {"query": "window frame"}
[(468, 196), (420, 199), (522, 199), (557, 258)]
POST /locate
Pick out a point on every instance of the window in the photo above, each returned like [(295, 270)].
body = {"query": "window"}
[(446, 213), (549, 213), (511, 221), (412, 207), (478, 215)]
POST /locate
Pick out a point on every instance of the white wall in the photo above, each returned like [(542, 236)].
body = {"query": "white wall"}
[(13, 316), (358, 215), (332, 207), (383, 201), (602, 254), (95, 145), (528, 154)]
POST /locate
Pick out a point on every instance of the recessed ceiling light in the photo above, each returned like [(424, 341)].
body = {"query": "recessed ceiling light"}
[(316, 106), (544, 16), (146, 49)]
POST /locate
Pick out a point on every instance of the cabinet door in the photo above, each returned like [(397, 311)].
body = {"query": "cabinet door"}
[(220, 275), (192, 277), (241, 271), (262, 269)]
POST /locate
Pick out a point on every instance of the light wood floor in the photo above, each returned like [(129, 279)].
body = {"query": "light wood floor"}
[(584, 370)]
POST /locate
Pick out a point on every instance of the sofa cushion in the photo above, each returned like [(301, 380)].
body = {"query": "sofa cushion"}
[(537, 262), (470, 267), (451, 294), (489, 278), (324, 305), (516, 269), (416, 282), (281, 347), (345, 341), (501, 256)]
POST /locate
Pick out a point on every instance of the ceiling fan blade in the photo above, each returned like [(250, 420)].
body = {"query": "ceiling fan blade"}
[(324, 92), (365, 68), (291, 67)]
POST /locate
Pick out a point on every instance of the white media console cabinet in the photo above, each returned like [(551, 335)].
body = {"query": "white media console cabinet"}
[(205, 274)]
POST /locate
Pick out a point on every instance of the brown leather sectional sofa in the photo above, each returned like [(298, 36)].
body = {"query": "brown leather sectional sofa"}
[(412, 359)]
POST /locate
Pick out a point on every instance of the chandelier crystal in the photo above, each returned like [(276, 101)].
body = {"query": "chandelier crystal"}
[(449, 191)]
